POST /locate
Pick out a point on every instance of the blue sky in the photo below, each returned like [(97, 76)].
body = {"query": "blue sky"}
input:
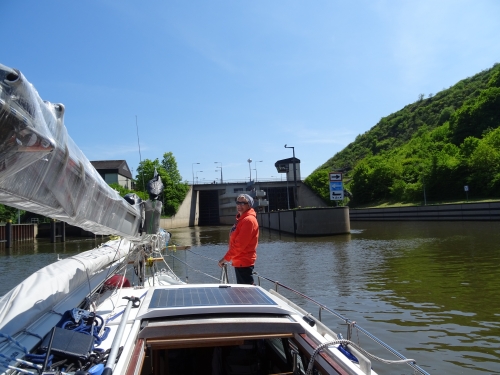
[(226, 81)]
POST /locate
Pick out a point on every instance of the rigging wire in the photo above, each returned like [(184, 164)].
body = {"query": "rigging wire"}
[(140, 156), (194, 269), (203, 256)]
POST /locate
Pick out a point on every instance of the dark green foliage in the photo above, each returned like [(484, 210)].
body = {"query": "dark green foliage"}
[(477, 115), (318, 181), (8, 213), (145, 172), (435, 145), (124, 191), (174, 189), (495, 79)]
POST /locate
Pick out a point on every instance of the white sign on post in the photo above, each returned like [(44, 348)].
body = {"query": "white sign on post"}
[(466, 188), (336, 187), (334, 176)]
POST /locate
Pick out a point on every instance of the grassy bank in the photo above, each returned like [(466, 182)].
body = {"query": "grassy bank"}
[(386, 204)]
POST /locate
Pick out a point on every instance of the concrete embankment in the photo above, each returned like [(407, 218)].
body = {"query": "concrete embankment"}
[(447, 212), (187, 215), (308, 221)]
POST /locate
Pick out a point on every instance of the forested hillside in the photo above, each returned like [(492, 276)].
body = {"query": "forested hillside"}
[(442, 143)]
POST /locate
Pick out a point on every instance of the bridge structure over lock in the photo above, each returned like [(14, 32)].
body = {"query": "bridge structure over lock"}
[(214, 203)]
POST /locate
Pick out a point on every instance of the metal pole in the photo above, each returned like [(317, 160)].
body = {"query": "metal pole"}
[(110, 363), (221, 180), (52, 231), (192, 170), (63, 231), (294, 176), (197, 175), (295, 179), (249, 168), (257, 161), (8, 234)]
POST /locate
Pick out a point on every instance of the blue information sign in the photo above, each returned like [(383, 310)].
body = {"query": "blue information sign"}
[(336, 186)]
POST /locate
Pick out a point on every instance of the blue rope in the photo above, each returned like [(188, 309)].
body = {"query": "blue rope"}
[(15, 342), (39, 358), (5, 361), (88, 329)]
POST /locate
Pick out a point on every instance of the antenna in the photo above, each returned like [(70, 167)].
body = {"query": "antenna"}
[(140, 157)]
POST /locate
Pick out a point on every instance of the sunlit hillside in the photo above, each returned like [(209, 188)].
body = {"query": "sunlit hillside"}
[(443, 142)]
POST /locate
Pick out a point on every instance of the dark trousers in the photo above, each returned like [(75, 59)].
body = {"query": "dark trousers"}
[(244, 275)]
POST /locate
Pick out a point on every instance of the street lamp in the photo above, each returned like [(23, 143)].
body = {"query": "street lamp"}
[(197, 176), (260, 161), (193, 170), (294, 175), (221, 180), (249, 168)]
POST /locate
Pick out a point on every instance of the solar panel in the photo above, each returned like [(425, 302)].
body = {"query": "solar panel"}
[(209, 296)]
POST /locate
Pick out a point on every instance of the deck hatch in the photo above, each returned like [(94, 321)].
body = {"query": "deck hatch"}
[(213, 296)]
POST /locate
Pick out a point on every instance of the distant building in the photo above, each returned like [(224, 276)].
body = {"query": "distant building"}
[(114, 171), (286, 166)]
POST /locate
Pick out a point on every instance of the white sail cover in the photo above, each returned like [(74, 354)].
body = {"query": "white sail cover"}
[(44, 289), (43, 171)]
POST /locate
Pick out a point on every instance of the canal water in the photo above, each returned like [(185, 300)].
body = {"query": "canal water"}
[(428, 289)]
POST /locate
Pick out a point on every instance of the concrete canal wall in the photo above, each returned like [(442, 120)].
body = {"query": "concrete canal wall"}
[(187, 215), (308, 221), (446, 212)]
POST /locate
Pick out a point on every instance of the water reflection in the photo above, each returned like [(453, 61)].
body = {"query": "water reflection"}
[(27, 257), (427, 288)]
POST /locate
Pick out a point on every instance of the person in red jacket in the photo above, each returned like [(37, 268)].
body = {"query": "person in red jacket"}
[(243, 240)]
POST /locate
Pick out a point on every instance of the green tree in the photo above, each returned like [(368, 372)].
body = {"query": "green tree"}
[(319, 182), (478, 115), (124, 191), (360, 184), (145, 172), (9, 213), (175, 189)]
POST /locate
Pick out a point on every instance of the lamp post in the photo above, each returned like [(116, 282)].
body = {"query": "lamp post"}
[(250, 168), (193, 170), (221, 180), (197, 175), (294, 176), (259, 161)]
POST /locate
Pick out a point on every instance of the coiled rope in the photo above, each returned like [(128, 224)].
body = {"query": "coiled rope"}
[(348, 342)]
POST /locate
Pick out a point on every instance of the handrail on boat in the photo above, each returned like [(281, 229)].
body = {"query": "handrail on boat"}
[(350, 324)]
